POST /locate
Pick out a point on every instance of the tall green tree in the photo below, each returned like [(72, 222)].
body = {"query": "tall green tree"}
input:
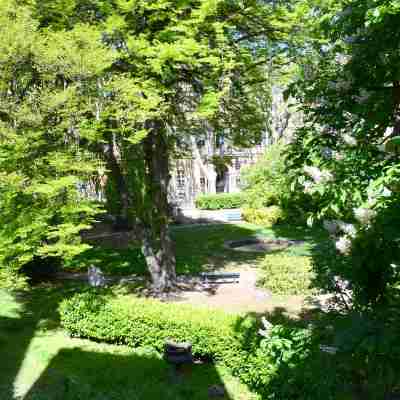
[(179, 64), (45, 78)]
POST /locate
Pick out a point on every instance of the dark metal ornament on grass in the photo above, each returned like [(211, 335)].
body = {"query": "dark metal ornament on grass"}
[(178, 353), (216, 391)]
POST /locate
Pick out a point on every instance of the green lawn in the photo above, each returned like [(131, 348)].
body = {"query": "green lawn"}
[(40, 362), (200, 247)]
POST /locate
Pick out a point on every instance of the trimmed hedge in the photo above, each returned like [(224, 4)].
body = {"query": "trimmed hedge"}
[(220, 201), (267, 216), (143, 322)]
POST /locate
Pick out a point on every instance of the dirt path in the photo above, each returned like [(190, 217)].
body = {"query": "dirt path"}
[(241, 297)]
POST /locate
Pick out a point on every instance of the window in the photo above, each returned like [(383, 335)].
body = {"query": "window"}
[(180, 178), (203, 184), (237, 163)]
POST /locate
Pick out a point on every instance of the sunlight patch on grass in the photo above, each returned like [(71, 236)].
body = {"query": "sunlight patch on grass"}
[(8, 306)]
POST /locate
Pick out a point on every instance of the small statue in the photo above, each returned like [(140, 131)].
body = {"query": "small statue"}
[(96, 277)]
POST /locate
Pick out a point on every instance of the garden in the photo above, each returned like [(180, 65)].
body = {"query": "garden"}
[(50, 323), (106, 293)]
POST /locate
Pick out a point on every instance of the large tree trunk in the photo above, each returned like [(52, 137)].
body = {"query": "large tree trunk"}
[(157, 245), (160, 259), (148, 206), (113, 163)]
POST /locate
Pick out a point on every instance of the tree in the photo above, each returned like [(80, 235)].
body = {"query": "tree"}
[(346, 155), (264, 182), (45, 78), (178, 64)]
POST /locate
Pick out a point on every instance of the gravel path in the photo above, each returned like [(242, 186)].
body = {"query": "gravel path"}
[(242, 297), (235, 297)]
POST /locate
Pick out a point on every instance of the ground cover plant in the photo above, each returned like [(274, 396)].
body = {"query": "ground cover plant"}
[(287, 275)]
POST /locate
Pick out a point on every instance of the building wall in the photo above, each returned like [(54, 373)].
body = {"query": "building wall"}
[(188, 181), (188, 175)]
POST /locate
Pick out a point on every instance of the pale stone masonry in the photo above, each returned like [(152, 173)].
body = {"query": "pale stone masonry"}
[(194, 173)]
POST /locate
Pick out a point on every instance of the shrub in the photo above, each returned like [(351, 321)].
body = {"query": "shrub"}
[(287, 275), (265, 182), (143, 322), (370, 351), (267, 216), (289, 365), (220, 201), (270, 182), (370, 268)]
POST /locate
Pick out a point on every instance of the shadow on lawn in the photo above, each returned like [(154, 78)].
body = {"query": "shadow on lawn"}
[(80, 373), (12, 356), (75, 374), (32, 310)]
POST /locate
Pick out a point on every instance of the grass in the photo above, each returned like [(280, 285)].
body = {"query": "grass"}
[(203, 246), (115, 261), (199, 248), (40, 362)]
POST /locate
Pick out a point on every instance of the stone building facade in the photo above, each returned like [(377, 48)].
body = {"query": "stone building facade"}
[(197, 174), (194, 173)]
